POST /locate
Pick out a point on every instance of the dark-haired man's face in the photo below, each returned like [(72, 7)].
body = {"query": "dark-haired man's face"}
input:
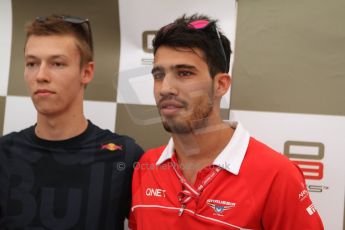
[(183, 89)]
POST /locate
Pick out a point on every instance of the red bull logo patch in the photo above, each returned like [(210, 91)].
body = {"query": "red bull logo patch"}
[(111, 147)]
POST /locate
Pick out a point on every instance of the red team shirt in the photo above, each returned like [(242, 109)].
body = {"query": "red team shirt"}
[(256, 188)]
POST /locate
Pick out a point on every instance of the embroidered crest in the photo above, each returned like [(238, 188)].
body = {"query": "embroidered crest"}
[(219, 206)]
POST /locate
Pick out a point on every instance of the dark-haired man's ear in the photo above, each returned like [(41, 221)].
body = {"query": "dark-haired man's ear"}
[(222, 83)]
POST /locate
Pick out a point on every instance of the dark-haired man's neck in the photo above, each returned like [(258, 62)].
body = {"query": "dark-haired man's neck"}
[(199, 149)]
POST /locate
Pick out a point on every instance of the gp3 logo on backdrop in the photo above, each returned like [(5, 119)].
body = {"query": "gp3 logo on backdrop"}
[(147, 38), (308, 156)]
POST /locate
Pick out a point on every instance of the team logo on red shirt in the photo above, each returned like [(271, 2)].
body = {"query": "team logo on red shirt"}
[(219, 206), (311, 209)]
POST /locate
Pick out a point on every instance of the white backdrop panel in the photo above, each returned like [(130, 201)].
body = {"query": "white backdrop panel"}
[(275, 129), (19, 113), (135, 81), (101, 113), (5, 43)]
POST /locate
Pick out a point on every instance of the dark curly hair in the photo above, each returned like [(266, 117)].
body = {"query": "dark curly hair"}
[(217, 50)]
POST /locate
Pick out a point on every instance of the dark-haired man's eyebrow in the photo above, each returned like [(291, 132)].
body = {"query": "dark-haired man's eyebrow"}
[(157, 69), (184, 66), (160, 69)]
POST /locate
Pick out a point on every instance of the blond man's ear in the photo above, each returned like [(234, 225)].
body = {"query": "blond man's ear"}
[(87, 73)]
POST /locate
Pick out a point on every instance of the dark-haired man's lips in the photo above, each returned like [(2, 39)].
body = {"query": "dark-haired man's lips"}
[(170, 108)]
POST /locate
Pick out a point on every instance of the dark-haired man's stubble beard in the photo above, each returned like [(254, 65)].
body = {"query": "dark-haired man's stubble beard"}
[(192, 121)]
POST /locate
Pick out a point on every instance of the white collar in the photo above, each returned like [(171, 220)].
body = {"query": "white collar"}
[(232, 155)]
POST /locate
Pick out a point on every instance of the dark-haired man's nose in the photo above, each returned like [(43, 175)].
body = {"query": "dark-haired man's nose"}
[(168, 86)]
